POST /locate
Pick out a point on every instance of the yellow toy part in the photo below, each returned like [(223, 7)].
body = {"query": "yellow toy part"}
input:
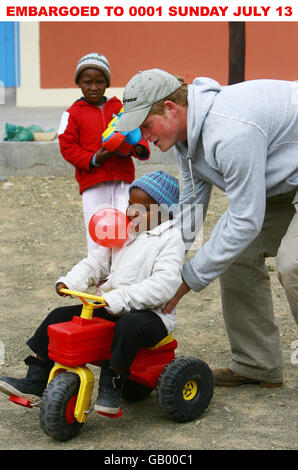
[(110, 128), (88, 307), (190, 390), (168, 339), (85, 390)]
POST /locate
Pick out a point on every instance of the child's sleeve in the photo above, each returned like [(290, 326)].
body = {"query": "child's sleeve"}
[(68, 135), (156, 290), (89, 271)]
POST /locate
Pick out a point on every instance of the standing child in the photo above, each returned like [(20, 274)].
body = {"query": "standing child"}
[(103, 176), (140, 277)]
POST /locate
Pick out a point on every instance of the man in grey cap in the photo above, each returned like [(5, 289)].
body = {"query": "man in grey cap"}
[(244, 140)]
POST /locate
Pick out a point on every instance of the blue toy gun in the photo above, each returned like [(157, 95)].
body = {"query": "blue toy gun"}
[(123, 141)]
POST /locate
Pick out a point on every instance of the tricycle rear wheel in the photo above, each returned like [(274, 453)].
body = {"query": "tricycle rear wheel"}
[(185, 388), (57, 407)]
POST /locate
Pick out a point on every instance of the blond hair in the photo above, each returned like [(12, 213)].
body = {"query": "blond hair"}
[(179, 96)]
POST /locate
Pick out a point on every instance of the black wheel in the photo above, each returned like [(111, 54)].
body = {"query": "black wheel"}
[(133, 391), (185, 388), (56, 415)]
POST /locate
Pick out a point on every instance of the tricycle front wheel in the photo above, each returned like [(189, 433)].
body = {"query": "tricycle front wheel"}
[(57, 407)]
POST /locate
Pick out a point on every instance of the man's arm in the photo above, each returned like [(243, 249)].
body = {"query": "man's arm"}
[(241, 161)]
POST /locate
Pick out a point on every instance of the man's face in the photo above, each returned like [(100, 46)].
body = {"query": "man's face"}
[(164, 130), (93, 85)]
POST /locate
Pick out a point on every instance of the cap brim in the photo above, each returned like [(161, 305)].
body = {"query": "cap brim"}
[(131, 120)]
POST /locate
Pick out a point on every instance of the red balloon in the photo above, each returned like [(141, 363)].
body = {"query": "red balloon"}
[(109, 227)]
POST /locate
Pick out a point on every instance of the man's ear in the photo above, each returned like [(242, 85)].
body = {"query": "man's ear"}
[(170, 107)]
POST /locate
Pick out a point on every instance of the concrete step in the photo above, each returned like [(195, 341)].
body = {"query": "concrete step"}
[(44, 158)]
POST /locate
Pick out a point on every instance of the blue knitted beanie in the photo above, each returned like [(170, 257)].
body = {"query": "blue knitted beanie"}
[(162, 187), (96, 61)]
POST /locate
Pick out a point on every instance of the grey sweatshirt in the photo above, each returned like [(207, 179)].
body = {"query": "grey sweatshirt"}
[(244, 140)]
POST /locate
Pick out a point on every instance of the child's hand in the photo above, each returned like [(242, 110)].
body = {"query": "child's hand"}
[(59, 286), (103, 155), (117, 315)]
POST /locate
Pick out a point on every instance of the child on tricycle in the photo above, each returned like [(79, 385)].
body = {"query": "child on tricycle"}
[(139, 279)]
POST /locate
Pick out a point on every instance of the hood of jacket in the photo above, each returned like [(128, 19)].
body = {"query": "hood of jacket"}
[(201, 95)]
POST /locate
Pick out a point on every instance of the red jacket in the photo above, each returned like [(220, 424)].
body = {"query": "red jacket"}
[(80, 138)]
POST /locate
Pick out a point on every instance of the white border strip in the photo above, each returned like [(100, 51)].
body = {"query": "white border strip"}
[(148, 10)]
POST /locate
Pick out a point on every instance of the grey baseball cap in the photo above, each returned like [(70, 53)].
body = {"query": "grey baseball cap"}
[(141, 92)]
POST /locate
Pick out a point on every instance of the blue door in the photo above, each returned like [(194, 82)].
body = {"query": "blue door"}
[(9, 53)]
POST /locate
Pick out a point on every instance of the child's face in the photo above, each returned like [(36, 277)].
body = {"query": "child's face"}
[(143, 211), (93, 85)]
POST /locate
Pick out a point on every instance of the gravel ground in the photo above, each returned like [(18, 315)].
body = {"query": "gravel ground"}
[(41, 237)]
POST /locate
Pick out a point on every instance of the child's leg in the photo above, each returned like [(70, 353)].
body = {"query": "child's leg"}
[(33, 385), (39, 342), (132, 331), (111, 194)]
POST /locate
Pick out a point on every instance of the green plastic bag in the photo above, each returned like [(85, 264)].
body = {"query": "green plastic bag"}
[(20, 134)]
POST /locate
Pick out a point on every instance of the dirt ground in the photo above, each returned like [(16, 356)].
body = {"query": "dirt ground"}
[(41, 237)]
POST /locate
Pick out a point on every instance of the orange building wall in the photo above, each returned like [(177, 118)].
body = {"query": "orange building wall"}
[(271, 50), (188, 49)]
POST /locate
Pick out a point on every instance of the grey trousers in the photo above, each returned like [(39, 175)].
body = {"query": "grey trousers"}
[(246, 293)]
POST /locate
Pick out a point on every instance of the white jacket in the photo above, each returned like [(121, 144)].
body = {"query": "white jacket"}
[(144, 274)]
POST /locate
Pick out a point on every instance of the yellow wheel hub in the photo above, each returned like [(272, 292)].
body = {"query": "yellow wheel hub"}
[(190, 390)]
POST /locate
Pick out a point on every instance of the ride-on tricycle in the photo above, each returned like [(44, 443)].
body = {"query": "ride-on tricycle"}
[(184, 385)]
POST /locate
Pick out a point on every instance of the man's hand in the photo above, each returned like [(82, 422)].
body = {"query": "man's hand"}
[(183, 289), (59, 286)]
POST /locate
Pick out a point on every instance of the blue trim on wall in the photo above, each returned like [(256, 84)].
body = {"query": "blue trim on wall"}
[(17, 52), (10, 53)]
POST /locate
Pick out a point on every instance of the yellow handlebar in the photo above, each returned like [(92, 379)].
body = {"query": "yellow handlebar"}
[(83, 296)]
